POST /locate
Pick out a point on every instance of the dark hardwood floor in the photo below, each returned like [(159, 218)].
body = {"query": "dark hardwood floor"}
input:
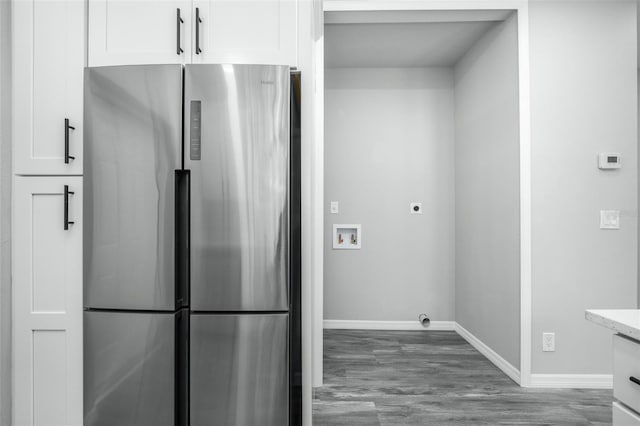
[(435, 378)]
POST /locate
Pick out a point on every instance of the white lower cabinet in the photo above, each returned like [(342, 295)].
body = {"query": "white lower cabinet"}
[(626, 381), (47, 301)]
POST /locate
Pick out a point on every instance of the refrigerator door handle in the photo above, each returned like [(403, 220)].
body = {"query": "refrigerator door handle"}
[(179, 23), (67, 157), (182, 213), (67, 222), (198, 22)]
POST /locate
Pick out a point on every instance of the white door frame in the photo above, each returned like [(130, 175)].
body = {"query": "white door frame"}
[(316, 224)]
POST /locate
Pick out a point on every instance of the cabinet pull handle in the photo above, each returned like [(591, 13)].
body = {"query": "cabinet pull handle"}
[(634, 380), (67, 222), (67, 157), (198, 22), (179, 21)]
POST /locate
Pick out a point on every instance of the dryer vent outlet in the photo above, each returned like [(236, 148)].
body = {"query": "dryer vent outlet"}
[(424, 320)]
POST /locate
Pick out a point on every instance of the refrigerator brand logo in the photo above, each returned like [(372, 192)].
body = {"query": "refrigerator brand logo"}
[(270, 82)]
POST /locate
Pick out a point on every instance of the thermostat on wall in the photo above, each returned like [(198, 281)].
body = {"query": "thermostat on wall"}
[(609, 160)]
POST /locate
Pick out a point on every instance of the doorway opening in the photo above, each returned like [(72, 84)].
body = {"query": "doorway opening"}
[(422, 156)]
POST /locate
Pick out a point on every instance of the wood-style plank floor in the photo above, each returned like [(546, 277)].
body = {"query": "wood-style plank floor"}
[(435, 378)]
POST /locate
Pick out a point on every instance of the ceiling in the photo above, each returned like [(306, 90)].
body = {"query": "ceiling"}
[(400, 44)]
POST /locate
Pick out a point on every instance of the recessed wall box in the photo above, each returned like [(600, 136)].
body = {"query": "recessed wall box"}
[(347, 237), (415, 208), (609, 160)]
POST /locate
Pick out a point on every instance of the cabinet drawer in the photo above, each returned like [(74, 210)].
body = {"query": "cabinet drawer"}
[(626, 364), (622, 416)]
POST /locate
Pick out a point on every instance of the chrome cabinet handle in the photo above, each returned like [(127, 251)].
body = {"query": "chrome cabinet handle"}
[(67, 222), (179, 22), (198, 22), (67, 157)]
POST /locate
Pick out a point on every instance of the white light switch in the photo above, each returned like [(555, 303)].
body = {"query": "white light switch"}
[(609, 219), (334, 207), (548, 342)]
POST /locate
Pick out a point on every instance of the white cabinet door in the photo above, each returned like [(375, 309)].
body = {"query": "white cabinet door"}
[(48, 62), (125, 32), (246, 32), (47, 302)]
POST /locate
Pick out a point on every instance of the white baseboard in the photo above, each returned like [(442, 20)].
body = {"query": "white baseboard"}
[(387, 325), (572, 381), (489, 353)]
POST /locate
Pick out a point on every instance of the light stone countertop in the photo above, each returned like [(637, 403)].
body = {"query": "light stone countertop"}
[(623, 321)]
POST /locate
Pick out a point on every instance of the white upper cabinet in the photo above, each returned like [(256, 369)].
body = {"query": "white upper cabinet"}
[(48, 62), (129, 32), (245, 31), (123, 32)]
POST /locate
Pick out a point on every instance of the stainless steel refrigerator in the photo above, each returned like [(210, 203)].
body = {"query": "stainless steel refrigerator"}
[(192, 245)]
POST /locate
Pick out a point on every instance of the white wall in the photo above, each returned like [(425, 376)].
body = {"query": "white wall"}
[(5, 212), (487, 191), (583, 101), (389, 140)]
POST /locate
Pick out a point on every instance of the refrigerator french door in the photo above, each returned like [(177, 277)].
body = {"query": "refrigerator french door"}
[(132, 138), (237, 149), (192, 245)]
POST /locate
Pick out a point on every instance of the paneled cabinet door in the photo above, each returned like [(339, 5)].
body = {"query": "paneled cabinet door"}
[(48, 62), (47, 301), (245, 32), (126, 32)]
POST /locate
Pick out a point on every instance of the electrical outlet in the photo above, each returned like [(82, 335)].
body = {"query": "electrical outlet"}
[(548, 342), (609, 219), (335, 207)]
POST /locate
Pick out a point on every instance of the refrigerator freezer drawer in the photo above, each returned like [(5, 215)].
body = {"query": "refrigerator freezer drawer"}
[(132, 148), (129, 369), (237, 148), (239, 370)]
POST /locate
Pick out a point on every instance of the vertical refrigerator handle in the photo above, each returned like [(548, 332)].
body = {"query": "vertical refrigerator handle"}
[(198, 22), (179, 22), (67, 127), (182, 240), (67, 222), (182, 224)]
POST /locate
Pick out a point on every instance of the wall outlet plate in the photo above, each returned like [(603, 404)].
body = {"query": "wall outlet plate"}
[(415, 208), (609, 219), (335, 207), (548, 342)]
